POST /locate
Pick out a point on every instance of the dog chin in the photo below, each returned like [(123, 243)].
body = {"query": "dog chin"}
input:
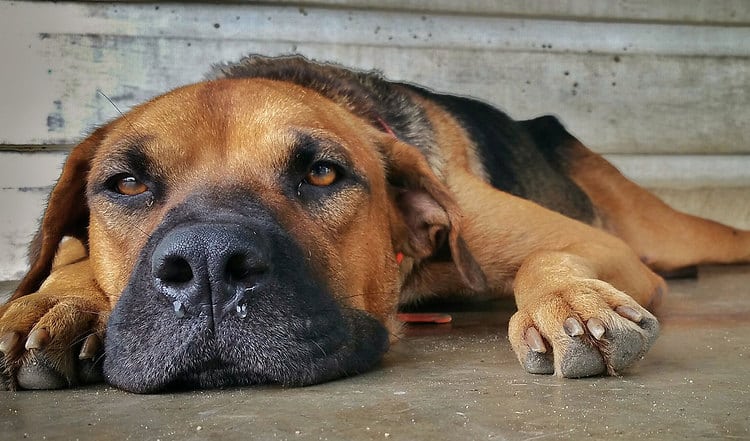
[(280, 348)]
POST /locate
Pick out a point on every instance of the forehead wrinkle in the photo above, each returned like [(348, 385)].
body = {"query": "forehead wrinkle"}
[(126, 150), (257, 150), (321, 143), (258, 138)]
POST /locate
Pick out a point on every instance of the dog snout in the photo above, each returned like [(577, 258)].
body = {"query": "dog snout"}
[(209, 269)]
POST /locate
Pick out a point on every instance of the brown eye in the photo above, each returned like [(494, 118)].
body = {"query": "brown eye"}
[(322, 175), (130, 186)]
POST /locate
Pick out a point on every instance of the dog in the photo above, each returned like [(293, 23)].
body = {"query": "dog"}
[(263, 226)]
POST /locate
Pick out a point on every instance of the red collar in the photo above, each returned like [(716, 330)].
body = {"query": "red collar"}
[(386, 127), (388, 130)]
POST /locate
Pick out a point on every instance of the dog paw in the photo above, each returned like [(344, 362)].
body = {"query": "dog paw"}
[(587, 328), (51, 342)]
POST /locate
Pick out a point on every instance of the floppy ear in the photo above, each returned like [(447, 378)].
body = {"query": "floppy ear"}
[(430, 214), (67, 214)]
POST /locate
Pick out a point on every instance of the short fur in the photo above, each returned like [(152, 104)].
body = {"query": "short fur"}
[(245, 230)]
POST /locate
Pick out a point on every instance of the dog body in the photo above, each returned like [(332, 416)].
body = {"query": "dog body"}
[(263, 226)]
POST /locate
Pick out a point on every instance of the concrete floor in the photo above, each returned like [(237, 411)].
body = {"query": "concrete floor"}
[(458, 381)]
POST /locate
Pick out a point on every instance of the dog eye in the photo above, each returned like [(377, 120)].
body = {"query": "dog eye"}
[(322, 174), (130, 186)]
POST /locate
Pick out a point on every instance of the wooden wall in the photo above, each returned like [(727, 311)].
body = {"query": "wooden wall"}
[(662, 88)]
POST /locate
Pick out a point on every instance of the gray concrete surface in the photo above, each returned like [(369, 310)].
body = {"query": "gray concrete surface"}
[(454, 382)]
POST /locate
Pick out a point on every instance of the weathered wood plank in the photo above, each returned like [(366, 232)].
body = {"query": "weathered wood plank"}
[(25, 181), (686, 172), (729, 205), (369, 27), (21, 210), (621, 87), (683, 11)]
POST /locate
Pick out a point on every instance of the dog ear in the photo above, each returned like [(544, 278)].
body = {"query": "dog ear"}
[(429, 213), (67, 214)]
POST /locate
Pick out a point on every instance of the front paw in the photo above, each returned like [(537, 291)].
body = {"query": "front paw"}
[(51, 341), (586, 328)]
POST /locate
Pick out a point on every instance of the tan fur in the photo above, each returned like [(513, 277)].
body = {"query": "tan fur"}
[(217, 157), (237, 134)]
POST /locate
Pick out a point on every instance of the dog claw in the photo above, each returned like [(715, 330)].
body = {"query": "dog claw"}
[(629, 313), (596, 328), (90, 347), (534, 340), (38, 339), (9, 342), (573, 327)]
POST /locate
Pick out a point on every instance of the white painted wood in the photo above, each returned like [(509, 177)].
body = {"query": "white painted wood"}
[(21, 211), (729, 205), (683, 11), (25, 181), (621, 87), (686, 172)]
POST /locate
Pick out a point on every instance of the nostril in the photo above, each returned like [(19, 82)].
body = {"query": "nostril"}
[(240, 268), (175, 270)]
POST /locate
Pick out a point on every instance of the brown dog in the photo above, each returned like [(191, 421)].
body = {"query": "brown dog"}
[(263, 227)]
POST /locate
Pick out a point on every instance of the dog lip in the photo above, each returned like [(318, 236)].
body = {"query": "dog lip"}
[(306, 349)]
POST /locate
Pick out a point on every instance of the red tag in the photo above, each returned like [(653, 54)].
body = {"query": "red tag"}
[(399, 257), (424, 317), (387, 128)]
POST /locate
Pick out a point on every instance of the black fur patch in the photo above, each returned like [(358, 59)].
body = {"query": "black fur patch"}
[(525, 158)]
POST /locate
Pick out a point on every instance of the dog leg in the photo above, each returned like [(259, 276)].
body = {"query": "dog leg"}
[(53, 338), (664, 238), (581, 292)]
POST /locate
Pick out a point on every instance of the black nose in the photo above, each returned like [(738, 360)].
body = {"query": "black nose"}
[(209, 268)]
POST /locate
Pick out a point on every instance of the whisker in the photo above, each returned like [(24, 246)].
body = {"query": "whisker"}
[(325, 354), (118, 110), (146, 235), (97, 359), (78, 340)]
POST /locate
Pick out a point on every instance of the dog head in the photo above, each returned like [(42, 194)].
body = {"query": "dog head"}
[(245, 230)]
